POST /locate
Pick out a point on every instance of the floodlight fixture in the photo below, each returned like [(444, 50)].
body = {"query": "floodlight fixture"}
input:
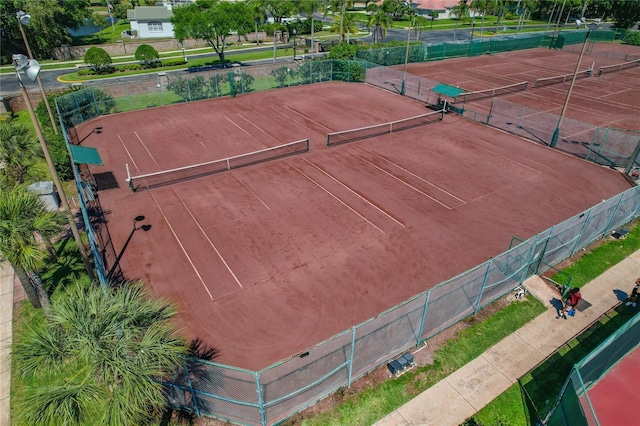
[(23, 17), (31, 67)]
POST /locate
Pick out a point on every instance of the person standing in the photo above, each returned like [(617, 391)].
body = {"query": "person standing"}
[(635, 294)]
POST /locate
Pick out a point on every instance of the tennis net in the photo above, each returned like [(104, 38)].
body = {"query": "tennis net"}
[(337, 138), (617, 67), (490, 93), (181, 174), (547, 81)]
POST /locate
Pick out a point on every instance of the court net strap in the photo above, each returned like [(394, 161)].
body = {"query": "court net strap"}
[(180, 174), (344, 136), (617, 67), (546, 81), (490, 93)]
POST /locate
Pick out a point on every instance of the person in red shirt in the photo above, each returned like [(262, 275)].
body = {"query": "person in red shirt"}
[(573, 297)]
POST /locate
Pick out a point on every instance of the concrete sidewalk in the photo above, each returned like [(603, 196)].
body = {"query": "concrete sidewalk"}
[(6, 322), (463, 393)]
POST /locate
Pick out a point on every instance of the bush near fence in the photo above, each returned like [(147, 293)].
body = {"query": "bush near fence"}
[(279, 391)]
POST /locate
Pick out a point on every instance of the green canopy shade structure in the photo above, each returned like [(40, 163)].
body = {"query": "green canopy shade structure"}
[(85, 155), (447, 90)]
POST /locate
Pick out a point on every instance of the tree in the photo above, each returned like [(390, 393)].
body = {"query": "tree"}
[(99, 21), (461, 12), (189, 89), (378, 23), (434, 16), (211, 21), (482, 6), (309, 8), (98, 58), (278, 9), (50, 21), (23, 217), (281, 75), (147, 55), (396, 8), (20, 155), (626, 14), (98, 357), (345, 24)]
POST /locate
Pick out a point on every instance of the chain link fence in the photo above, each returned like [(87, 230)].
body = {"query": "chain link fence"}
[(275, 393)]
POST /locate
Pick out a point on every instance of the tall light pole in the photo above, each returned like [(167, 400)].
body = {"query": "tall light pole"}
[(24, 19), (556, 133), (294, 43), (406, 56), (31, 69)]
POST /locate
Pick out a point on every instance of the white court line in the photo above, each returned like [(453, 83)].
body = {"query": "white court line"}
[(148, 152), (236, 124), (182, 247), (354, 193), (253, 193), (207, 237), (415, 176), (260, 129), (304, 116), (505, 158), (128, 153), (405, 183), (337, 199)]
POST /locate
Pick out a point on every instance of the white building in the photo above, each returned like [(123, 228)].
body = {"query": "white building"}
[(151, 21)]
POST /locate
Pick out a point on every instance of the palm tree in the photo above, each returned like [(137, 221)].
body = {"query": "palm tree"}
[(460, 11), (434, 16), (309, 8), (98, 356), (482, 6), (23, 220), (378, 23), (20, 155), (346, 24)]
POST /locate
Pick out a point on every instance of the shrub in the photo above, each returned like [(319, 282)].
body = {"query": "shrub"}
[(632, 38), (99, 59), (173, 62), (147, 55)]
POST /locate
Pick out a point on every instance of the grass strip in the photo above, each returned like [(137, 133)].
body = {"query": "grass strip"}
[(379, 400), (543, 383)]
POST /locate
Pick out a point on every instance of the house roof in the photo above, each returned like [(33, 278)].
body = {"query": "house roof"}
[(149, 13)]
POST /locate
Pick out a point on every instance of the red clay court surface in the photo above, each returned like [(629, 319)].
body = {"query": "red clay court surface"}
[(611, 100), (268, 260), (615, 397)]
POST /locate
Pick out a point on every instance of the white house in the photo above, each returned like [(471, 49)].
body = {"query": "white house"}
[(151, 21)]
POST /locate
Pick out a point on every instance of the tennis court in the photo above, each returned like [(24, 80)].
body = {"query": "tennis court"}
[(611, 99), (615, 397), (267, 260)]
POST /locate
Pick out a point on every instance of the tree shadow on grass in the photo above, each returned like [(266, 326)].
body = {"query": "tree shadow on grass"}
[(198, 375), (64, 270)]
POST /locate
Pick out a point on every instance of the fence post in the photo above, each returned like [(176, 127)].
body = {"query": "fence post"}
[(424, 317), (353, 347), (530, 258), (193, 394), (633, 158), (593, 141), (490, 111), (486, 276), (606, 230), (263, 420), (604, 140), (584, 225)]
